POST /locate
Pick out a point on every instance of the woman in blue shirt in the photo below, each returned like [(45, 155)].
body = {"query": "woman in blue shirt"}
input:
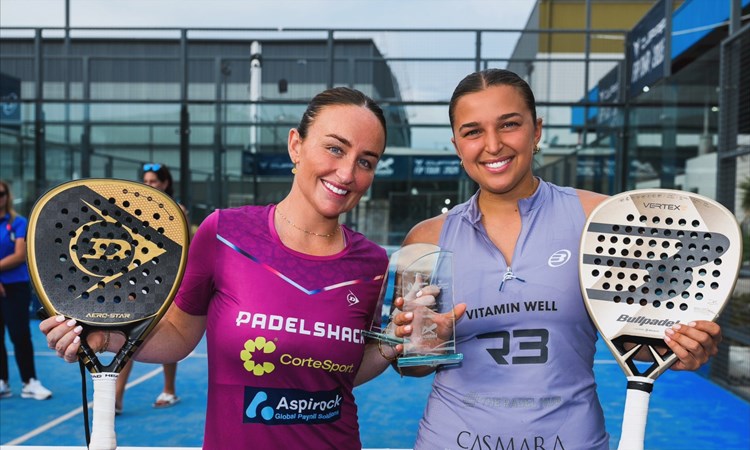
[(15, 298)]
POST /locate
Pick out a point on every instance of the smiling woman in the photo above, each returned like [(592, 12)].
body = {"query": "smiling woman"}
[(515, 244), (281, 292)]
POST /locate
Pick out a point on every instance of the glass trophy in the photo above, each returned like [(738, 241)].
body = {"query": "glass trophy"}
[(423, 275)]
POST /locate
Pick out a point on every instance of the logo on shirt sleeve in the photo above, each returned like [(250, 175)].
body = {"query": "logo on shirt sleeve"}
[(291, 406)]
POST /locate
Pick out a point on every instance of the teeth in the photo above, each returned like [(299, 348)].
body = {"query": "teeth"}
[(335, 189), (497, 164)]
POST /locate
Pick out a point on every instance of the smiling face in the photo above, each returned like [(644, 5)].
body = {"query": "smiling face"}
[(336, 160), (494, 134)]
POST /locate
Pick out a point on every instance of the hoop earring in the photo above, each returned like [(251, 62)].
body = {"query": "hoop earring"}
[(461, 163), (294, 169)]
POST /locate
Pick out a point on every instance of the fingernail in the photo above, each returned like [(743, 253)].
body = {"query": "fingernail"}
[(60, 319), (77, 339), (669, 331), (692, 324), (419, 293), (667, 339), (71, 322), (409, 315), (77, 329), (676, 326), (407, 329)]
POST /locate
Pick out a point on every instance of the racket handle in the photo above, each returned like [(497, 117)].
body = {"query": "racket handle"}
[(636, 413), (103, 422)]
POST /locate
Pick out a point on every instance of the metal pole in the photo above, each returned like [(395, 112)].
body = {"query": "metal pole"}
[(735, 16), (40, 169), (256, 68), (478, 52), (330, 59), (185, 197), (66, 69), (86, 133), (587, 53)]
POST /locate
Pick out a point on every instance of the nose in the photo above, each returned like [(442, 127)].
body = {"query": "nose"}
[(494, 143), (345, 171)]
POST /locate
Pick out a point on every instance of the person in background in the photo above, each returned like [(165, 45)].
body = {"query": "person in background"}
[(158, 177), (526, 380), (282, 293), (15, 298)]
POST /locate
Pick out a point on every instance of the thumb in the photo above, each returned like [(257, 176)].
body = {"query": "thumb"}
[(459, 310)]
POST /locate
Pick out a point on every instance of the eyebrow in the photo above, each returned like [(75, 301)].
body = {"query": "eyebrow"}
[(341, 139), (346, 142), (499, 119)]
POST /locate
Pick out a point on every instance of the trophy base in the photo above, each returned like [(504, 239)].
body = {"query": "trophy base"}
[(387, 338), (430, 360)]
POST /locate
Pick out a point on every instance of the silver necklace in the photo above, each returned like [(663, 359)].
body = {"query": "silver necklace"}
[(312, 233)]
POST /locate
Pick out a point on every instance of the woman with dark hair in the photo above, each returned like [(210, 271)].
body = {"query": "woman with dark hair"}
[(15, 298), (158, 177), (526, 380), (282, 292)]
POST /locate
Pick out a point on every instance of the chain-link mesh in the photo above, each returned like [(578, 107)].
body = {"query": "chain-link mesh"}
[(732, 366)]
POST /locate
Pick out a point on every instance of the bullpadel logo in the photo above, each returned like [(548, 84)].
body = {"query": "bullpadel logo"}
[(291, 406)]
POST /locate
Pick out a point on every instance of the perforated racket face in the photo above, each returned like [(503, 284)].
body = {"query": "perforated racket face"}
[(106, 252), (652, 258)]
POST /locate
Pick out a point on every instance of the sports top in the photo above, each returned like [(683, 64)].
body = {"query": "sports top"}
[(526, 380), (9, 232), (283, 332)]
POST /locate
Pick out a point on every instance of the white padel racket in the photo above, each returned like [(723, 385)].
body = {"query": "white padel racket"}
[(110, 254), (650, 259)]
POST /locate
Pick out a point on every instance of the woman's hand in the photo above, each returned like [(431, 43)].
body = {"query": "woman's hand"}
[(415, 314), (64, 337), (693, 343)]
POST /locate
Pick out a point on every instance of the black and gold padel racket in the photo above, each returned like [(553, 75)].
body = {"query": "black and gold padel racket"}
[(110, 254), (650, 259)]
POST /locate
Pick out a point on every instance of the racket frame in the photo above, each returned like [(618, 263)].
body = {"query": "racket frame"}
[(640, 382), (104, 377)]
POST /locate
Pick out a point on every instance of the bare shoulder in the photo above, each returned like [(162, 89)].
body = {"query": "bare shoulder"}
[(427, 231), (590, 200)]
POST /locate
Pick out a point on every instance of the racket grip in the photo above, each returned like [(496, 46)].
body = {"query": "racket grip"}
[(636, 413), (103, 422)]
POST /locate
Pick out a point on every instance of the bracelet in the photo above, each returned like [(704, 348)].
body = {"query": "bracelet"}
[(382, 353), (106, 342)]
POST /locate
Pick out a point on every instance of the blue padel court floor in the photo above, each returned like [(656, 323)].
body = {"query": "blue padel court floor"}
[(687, 411)]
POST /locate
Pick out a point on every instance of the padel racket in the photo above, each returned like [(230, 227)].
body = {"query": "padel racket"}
[(650, 259), (110, 254)]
